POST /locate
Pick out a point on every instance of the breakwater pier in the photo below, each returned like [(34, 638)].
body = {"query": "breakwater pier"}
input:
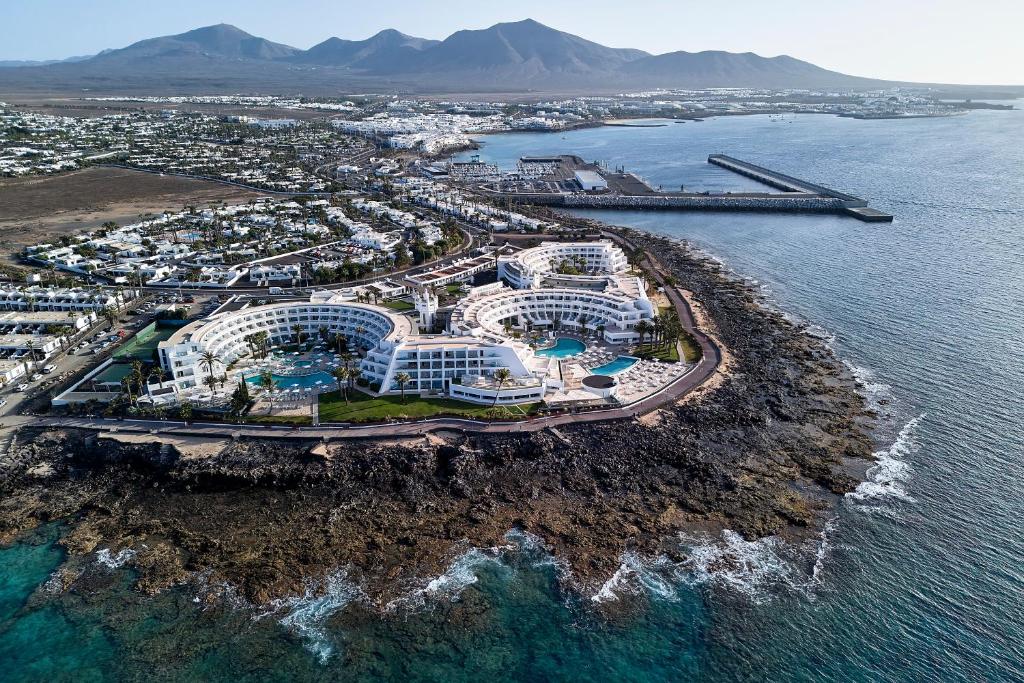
[(854, 206), (562, 185)]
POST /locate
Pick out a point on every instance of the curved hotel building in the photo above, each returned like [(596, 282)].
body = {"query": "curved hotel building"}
[(479, 341), (528, 269)]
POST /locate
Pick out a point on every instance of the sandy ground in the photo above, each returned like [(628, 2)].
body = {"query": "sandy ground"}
[(707, 326), (40, 208), (190, 447)]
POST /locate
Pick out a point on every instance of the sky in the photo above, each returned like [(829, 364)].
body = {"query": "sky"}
[(975, 42)]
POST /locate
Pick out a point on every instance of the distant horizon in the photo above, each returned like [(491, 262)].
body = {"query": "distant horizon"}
[(913, 42)]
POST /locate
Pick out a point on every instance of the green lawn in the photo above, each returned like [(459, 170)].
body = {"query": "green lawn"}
[(397, 305), (691, 349), (667, 353), (366, 408)]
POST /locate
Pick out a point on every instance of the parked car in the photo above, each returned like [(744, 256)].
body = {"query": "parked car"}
[(22, 387)]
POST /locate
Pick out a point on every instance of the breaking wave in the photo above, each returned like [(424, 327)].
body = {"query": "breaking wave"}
[(461, 574), (879, 395), (755, 570), (887, 477), (109, 560), (307, 615)]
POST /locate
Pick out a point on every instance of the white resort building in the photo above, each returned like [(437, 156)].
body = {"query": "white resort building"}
[(493, 327), (613, 312), (529, 268)]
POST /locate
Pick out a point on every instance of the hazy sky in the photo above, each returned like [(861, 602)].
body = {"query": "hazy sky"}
[(949, 41)]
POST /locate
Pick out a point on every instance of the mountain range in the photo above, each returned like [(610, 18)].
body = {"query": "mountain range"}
[(507, 57)]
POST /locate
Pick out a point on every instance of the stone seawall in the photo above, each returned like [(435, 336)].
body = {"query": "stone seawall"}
[(698, 203)]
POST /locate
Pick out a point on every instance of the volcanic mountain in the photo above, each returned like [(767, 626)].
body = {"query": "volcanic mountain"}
[(518, 56)]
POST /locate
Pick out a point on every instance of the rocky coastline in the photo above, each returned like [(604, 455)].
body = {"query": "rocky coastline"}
[(766, 449)]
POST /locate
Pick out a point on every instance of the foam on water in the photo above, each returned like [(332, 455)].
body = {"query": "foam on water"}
[(459, 575), (752, 569), (887, 477), (109, 560), (307, 615), (824, 547), (879, 395), (636, 575)]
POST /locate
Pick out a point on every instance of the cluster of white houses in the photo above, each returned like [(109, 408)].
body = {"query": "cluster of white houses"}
[(36, 321), (221, 247), (484, 333)]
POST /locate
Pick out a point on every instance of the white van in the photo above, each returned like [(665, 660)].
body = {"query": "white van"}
[(48, 369)]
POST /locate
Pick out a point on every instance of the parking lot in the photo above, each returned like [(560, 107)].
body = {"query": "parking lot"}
[(93, 345)]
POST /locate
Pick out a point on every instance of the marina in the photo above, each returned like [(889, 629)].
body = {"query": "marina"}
[(570, 182)]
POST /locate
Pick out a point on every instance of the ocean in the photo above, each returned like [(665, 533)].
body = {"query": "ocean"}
[(918, 576)]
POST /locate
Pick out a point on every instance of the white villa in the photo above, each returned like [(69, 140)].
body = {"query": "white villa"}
[(38, 298)]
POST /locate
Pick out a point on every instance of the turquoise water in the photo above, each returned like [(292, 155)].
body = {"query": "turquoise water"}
[(614, 367), (298, 381), (564, 348), (918, 577)]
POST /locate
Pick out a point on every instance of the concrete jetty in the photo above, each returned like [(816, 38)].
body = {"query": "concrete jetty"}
[(627, 191), (851, 205)]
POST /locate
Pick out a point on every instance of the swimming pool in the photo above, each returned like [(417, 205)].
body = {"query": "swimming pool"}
[(564, 348), (297, 381), (614, 367)]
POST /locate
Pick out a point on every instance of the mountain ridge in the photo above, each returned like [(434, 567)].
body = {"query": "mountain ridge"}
[(506, 57)]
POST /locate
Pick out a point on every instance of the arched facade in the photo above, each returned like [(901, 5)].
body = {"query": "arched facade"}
[(593, 260)]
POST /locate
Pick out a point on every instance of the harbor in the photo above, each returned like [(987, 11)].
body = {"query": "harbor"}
[(570, 182)]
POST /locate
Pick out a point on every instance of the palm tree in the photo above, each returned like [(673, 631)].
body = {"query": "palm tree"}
[(137, 374), (657, 328), (297, 333), (208, 360), (261, 341), (402, 379), (501, 376), (642, 328), (353, 376), (111, 315), (342, 375), (268, 384), (126, 386)]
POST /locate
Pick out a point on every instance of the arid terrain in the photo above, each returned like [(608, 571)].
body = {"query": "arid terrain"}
[(40, 208)]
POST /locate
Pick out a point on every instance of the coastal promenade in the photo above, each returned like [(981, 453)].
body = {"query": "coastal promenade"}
[(711, 358)]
